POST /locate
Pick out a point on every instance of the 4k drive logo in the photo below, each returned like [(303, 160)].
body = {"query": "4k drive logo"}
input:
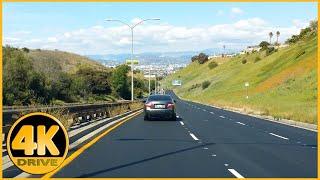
[(37, 143)]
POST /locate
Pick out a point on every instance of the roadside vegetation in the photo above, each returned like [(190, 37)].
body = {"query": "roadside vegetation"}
[(282, 81), (33, 77)]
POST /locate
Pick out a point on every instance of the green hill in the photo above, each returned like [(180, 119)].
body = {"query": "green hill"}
[(51, 62), (283, 84)]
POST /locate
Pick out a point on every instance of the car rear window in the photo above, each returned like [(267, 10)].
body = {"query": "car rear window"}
[(159, 98)]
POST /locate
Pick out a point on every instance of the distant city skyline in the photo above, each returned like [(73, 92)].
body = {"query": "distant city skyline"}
[(80, 27)]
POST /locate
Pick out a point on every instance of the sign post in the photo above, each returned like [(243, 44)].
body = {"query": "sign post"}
[(246, 84)]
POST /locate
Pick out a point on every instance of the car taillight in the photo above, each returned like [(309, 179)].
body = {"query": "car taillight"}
[(170, 106), (149, 105)]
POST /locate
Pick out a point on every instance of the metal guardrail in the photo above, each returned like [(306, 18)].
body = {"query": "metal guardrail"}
[(79, 112)]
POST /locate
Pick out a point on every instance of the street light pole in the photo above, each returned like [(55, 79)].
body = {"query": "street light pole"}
[(131, 64), (131, 28)]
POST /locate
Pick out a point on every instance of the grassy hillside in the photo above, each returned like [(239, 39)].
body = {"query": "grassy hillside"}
[(283, 84), (50, 62)]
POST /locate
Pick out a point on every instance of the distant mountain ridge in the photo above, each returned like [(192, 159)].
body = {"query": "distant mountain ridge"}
[(159, 57)]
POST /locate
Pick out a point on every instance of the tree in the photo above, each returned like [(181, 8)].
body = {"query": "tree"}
[(314, 26), (61, 88), (278, 34), (194, 58), (264, 45), (98, 81), (119, 81), (270, 36), (25, 50), (202, 58), (17, 70)]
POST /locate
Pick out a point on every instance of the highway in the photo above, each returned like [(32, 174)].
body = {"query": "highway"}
[(203, 142)]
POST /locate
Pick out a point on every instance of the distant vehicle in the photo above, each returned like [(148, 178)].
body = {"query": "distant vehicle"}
[(161, 107)]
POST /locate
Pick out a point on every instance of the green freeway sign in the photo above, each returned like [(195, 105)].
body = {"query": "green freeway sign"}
[(130, 61)]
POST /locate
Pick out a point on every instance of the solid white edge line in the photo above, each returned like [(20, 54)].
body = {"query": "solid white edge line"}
[(279, 136), (235, 173), (181, 123), (194, 137), (255, 116)]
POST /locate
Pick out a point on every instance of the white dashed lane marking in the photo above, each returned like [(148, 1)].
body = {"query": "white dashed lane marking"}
[(241, 123), (222, 117), (276, 135), (235, 173), (194, 137), (181, 123)]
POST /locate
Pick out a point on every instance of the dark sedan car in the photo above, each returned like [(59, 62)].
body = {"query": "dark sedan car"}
[(159, 107)]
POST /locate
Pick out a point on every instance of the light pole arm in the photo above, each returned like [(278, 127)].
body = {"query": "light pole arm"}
[(120, 22), (143, 21)]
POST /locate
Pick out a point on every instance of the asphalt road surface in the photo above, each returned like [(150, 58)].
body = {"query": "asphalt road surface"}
[(203, 142)]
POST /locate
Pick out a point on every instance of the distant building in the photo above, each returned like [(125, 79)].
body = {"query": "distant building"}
[(230, 55), (215, 56), (249, 49)]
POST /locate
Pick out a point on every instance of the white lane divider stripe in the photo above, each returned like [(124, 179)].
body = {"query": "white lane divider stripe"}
[(194, 137), (279, 136), (181, 123), (212, 112), (222, 116), (235, 173), (241, 123)]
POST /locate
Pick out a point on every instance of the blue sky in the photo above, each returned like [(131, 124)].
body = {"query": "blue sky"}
[(80, 27)]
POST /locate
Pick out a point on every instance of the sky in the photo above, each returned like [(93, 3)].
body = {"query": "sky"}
[(81, 27)]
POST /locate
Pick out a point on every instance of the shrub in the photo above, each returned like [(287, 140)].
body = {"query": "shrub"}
[(257, 59), (194, 86), (300, 53), (270, 51), (244, 61), (205, 84), (212, 65)]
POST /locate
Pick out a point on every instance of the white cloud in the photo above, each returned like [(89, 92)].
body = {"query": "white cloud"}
[(158, 37), (236, 10)]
